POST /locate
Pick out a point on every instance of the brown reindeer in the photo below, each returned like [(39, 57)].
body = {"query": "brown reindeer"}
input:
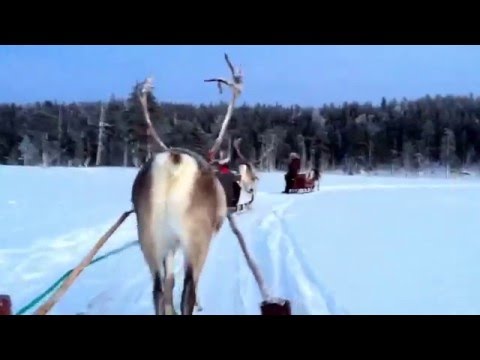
[(179, 203)]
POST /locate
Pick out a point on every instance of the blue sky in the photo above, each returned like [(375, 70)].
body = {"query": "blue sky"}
[(304, 75)]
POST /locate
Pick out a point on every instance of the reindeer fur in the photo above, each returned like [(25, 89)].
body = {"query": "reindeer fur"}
[(179, 203)]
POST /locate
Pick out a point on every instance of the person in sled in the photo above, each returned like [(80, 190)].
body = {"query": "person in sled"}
[(228, 179), (293, 169)]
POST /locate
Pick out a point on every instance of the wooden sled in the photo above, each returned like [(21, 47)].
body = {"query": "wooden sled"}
[(302, 184)]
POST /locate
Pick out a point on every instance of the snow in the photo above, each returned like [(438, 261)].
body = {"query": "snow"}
[(361, 245)]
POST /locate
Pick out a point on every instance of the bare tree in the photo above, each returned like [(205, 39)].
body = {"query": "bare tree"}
[(125, 152), (303, 151), (428, 136), (419, 161), (126, 144), (448, 147), (250, 173), (87, 161), (46, 151), (60, 135), (470, 155), (101, 135), (135, 152), (267, 160), (311, 164), (87, 139), (395, 159), (407, 156), (324, 157), (29, 152), (79, 152)]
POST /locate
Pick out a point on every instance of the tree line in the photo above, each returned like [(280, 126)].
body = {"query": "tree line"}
[(408, 134)]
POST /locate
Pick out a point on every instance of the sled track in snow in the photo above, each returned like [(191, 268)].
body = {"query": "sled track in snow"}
[(228, 286), (284, 268)]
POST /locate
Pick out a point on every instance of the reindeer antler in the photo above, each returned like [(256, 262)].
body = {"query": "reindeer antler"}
[(236, 85), (142, 92)]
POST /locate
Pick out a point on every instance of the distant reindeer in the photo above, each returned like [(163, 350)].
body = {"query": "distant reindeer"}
[(315, 175), (247, 179), (248, 175), (179, 203)]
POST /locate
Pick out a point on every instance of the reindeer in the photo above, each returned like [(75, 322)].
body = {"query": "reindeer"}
[(179, 203), (248, 176), (233, 182), (314, 175)]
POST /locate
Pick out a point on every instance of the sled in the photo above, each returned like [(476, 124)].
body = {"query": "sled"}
[(302, 184)]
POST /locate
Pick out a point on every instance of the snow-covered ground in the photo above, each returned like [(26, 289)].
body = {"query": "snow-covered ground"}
[(360, 245)]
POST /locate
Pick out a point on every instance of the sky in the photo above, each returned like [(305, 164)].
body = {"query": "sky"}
[(304, 75)]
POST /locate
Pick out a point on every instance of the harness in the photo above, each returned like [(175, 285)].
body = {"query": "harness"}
[(223, 169)]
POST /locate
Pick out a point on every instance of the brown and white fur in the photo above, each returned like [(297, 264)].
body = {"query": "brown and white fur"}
[(248, 178), (248, 175), (179, 204)]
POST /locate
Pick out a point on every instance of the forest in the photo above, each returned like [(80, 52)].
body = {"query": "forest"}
[(397, 134)]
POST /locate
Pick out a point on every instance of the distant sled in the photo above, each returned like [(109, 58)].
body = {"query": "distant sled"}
[(305, 182)]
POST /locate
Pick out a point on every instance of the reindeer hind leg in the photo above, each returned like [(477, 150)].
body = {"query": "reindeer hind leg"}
[(168, 265), (196, 255), (188, 293), (198, 261), (158, 295)]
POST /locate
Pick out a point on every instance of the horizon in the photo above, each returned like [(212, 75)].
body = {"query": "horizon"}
[(308, 76)]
